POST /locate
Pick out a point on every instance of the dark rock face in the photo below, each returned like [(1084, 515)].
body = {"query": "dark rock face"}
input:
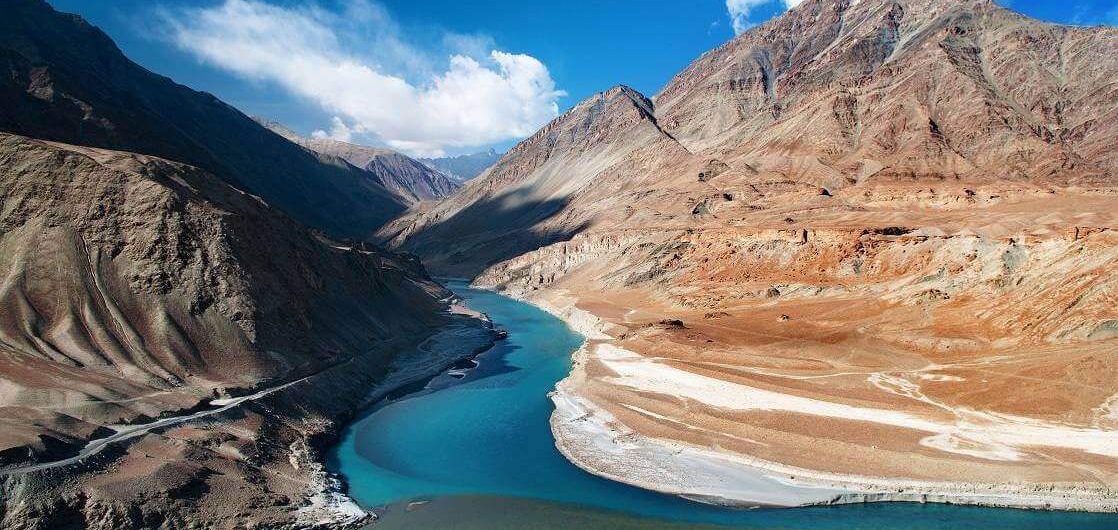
[(65, 80)]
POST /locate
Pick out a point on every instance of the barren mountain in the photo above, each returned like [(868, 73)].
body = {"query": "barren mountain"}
[(136, 288), (175, 350), (408, 178), (867, 247), (526, 199), (65, 80)]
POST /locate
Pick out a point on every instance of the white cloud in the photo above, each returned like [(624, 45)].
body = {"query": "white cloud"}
[(739, 13), (408, 98), (339, 131), (740, 10)]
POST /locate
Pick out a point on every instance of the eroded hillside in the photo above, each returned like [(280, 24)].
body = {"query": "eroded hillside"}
[(66, 81), (863, 244), (136, 288)]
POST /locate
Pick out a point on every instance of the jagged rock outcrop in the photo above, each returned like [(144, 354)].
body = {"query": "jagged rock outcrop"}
[(65, 80)]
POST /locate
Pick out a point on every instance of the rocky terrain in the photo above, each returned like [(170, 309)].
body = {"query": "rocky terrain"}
[(868, 246), (138, 288), (176, 346), (408, 178), (65, 80)]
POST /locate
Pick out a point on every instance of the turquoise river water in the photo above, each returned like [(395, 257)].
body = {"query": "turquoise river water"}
[(475, 452)]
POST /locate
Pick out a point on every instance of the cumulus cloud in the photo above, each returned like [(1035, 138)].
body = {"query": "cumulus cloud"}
[(410, 99), (740, 10), (339, 131)]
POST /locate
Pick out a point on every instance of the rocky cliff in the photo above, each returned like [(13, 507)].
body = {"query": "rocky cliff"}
[(138, 288)]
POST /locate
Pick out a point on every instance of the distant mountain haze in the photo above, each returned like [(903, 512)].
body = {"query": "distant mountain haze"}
[(464, 167)]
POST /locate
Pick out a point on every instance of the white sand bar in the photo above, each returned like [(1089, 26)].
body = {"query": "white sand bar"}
[(978, 434)]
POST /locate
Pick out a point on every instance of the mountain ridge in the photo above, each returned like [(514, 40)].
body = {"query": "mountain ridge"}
[(847, 131), (888, 208), (69, 82), (410, 179), (493, 208), (182, 335)]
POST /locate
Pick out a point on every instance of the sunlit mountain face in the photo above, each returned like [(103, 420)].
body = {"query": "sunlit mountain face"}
[(818, 264)]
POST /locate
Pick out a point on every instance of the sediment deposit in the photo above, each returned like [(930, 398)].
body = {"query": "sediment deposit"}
[(867, 244)]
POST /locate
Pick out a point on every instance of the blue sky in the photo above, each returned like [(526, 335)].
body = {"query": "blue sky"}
[(382, 72)]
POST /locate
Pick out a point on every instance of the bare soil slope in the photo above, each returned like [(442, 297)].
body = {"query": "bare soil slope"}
[(134, 288), (866, 240)]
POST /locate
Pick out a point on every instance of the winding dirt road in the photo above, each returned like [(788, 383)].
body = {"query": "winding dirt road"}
[(128, 432)]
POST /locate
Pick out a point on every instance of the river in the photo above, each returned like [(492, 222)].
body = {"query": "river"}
[(472, 449)]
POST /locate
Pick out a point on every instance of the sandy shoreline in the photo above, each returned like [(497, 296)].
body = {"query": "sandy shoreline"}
[(595, 441), (590, 438)]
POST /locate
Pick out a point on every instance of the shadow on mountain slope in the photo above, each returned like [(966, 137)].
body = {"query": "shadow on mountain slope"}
[(488, 231), (67, 81)]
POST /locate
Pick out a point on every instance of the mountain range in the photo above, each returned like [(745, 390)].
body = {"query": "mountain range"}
[(827, 250), (163, 256), (407, 177), (67, 81), (867, 246), (464, 167)]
